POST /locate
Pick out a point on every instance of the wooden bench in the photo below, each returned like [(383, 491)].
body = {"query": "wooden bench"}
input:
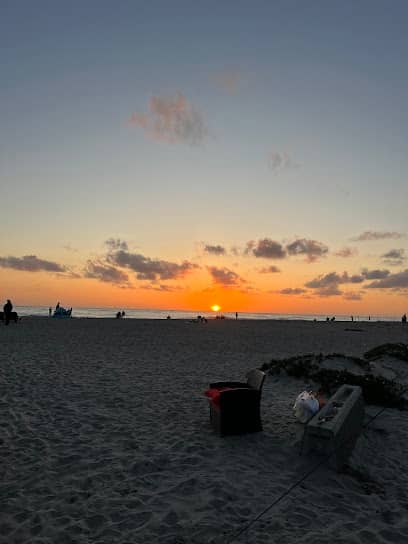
[(333, 431)]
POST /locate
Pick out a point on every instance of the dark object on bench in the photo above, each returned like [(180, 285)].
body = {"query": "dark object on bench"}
[(13, 316), (235, 407)]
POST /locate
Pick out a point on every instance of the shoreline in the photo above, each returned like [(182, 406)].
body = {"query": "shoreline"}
[(229, 319)]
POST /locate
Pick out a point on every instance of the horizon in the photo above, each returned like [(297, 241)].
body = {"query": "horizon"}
[(183, 156), (209, 312)]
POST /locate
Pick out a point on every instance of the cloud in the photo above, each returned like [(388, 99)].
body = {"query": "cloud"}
[(171, 120), (161, 288), (312, 249), (324, 280), (370, 235), (279, 161), (328, 284), (228, 81), (224, 276), (270, 270), (31, 263), (116, 243), (68, 247), (105, 272), (375, 274), (394, 257), (352, 296), (355, 278), (150, 269), (392, 281), (266, 249), (346, 252), (292, 291), (215, 250)]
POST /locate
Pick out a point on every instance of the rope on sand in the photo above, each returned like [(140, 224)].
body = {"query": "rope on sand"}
[(234, 537)]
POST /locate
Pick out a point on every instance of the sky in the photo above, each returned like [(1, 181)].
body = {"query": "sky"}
[(176, 155)]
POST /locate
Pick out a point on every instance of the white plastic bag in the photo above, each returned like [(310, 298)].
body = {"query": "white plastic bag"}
[(306, 406)]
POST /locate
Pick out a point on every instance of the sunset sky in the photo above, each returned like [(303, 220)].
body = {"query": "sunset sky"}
[(179, 154)]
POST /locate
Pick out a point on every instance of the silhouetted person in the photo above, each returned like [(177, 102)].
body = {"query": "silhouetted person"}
[(352, 318), (49, 312), (118, 315), (404, 318), (57, 306), (123, 313), (7, 308), (236, 315)]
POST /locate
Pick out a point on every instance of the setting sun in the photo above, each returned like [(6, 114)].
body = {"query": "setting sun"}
[(215, 308)]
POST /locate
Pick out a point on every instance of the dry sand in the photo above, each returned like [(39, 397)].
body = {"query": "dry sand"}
[(105, 438)]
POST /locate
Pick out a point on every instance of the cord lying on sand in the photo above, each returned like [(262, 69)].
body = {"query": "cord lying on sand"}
[(234, 537)]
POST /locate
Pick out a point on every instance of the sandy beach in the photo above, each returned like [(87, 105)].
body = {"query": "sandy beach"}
[(105, 437)]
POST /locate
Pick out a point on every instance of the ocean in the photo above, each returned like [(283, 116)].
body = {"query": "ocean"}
[(134, 313)]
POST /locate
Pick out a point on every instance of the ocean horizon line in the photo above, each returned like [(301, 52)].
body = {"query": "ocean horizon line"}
[(154, 313)]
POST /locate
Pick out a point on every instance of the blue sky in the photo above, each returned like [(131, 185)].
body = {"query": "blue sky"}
[(300, 109)]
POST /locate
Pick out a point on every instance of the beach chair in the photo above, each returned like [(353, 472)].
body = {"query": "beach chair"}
[(235, 407)]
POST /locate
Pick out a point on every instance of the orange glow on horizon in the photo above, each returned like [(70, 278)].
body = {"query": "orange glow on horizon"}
[(40, 288)]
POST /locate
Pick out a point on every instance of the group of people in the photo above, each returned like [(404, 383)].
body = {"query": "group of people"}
[(120, 315), (200, 319)]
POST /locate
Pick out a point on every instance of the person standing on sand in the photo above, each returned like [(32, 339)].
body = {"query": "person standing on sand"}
[(7, 308)]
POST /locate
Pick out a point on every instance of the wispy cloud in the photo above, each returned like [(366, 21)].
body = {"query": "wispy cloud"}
[(370, 235), (312, 249), (225, 276), (228, 81), (215, 250), (392, 281), (68, 247), (160, 288), (171, 120), (292, 291), (266, 249), (394, 257), (349, 295), (105, 272), (269, 270), (31, 263), (346, 252), (278, 161)]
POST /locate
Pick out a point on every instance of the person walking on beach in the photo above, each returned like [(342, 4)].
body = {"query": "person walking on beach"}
[(7, 308)]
